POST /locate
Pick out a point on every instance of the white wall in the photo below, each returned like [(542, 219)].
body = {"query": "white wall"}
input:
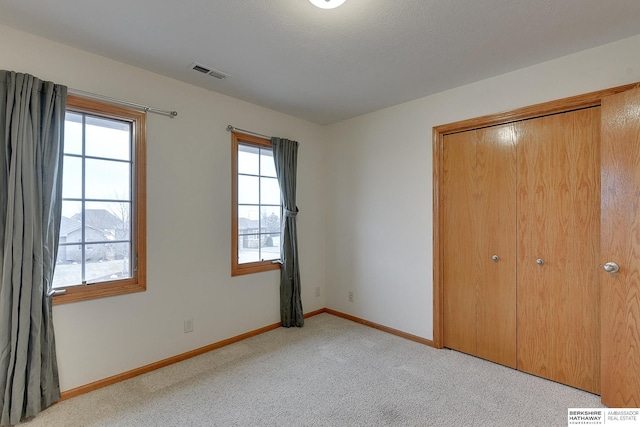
[(371, 175), (379, 218), (188, 223)]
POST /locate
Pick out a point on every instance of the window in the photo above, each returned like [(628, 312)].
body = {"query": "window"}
[(102, 248), (256, 206)]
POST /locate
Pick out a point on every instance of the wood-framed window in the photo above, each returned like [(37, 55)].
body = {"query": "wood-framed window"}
[(256, 207), (102, 247)]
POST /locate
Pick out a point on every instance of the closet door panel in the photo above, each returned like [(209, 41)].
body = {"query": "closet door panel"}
[(496, 218), (558, 247), (534, 293), (459, 226), (577, 302)]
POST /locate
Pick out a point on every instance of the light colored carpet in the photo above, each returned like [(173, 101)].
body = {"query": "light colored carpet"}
[(332, 372)]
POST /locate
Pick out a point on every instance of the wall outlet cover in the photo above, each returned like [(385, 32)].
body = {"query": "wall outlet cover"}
[(188, 325)]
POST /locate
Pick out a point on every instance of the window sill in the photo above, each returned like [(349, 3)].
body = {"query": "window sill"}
[(254, 267), (102, 290)]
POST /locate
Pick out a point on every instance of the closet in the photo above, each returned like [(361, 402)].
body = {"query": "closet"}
[(537, 241), (520, 231)]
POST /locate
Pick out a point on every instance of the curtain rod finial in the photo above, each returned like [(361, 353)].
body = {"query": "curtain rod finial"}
[(229, 128)]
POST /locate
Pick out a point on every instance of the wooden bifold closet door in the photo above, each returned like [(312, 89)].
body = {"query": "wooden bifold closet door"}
[(479, 263), (558, 247), (537, 240), (520, 207)]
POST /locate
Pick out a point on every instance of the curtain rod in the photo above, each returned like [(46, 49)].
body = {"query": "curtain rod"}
[(234, 129), (145, 108)]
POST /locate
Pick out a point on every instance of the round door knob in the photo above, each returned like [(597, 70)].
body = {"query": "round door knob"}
[(540, 261), (611, 267), (496, 258)]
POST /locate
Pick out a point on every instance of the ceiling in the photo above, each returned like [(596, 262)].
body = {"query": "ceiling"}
[(328, 65)]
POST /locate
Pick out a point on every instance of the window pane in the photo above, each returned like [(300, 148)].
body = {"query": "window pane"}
[(71, 222), (267, 167), (72, 177), (270, 247), (73, 133), (107, 221), (248, 219), (258, 206), (108, 138), (107, 179), (107, 261), (248, 248), (248, 189), (269, 191), (248, 160), (68, 272), (270, 219)]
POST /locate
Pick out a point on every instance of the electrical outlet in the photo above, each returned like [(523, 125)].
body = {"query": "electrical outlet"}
[(318, 291), (188, 325), (350, 297)]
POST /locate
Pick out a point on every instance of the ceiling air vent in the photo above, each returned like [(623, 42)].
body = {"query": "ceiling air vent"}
[(208, 71)]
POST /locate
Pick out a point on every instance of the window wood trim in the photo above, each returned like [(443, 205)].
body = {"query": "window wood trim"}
[(138, 283), (238, 269)]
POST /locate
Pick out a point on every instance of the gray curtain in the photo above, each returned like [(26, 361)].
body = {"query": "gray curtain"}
[(32, 131), (285, 156)]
